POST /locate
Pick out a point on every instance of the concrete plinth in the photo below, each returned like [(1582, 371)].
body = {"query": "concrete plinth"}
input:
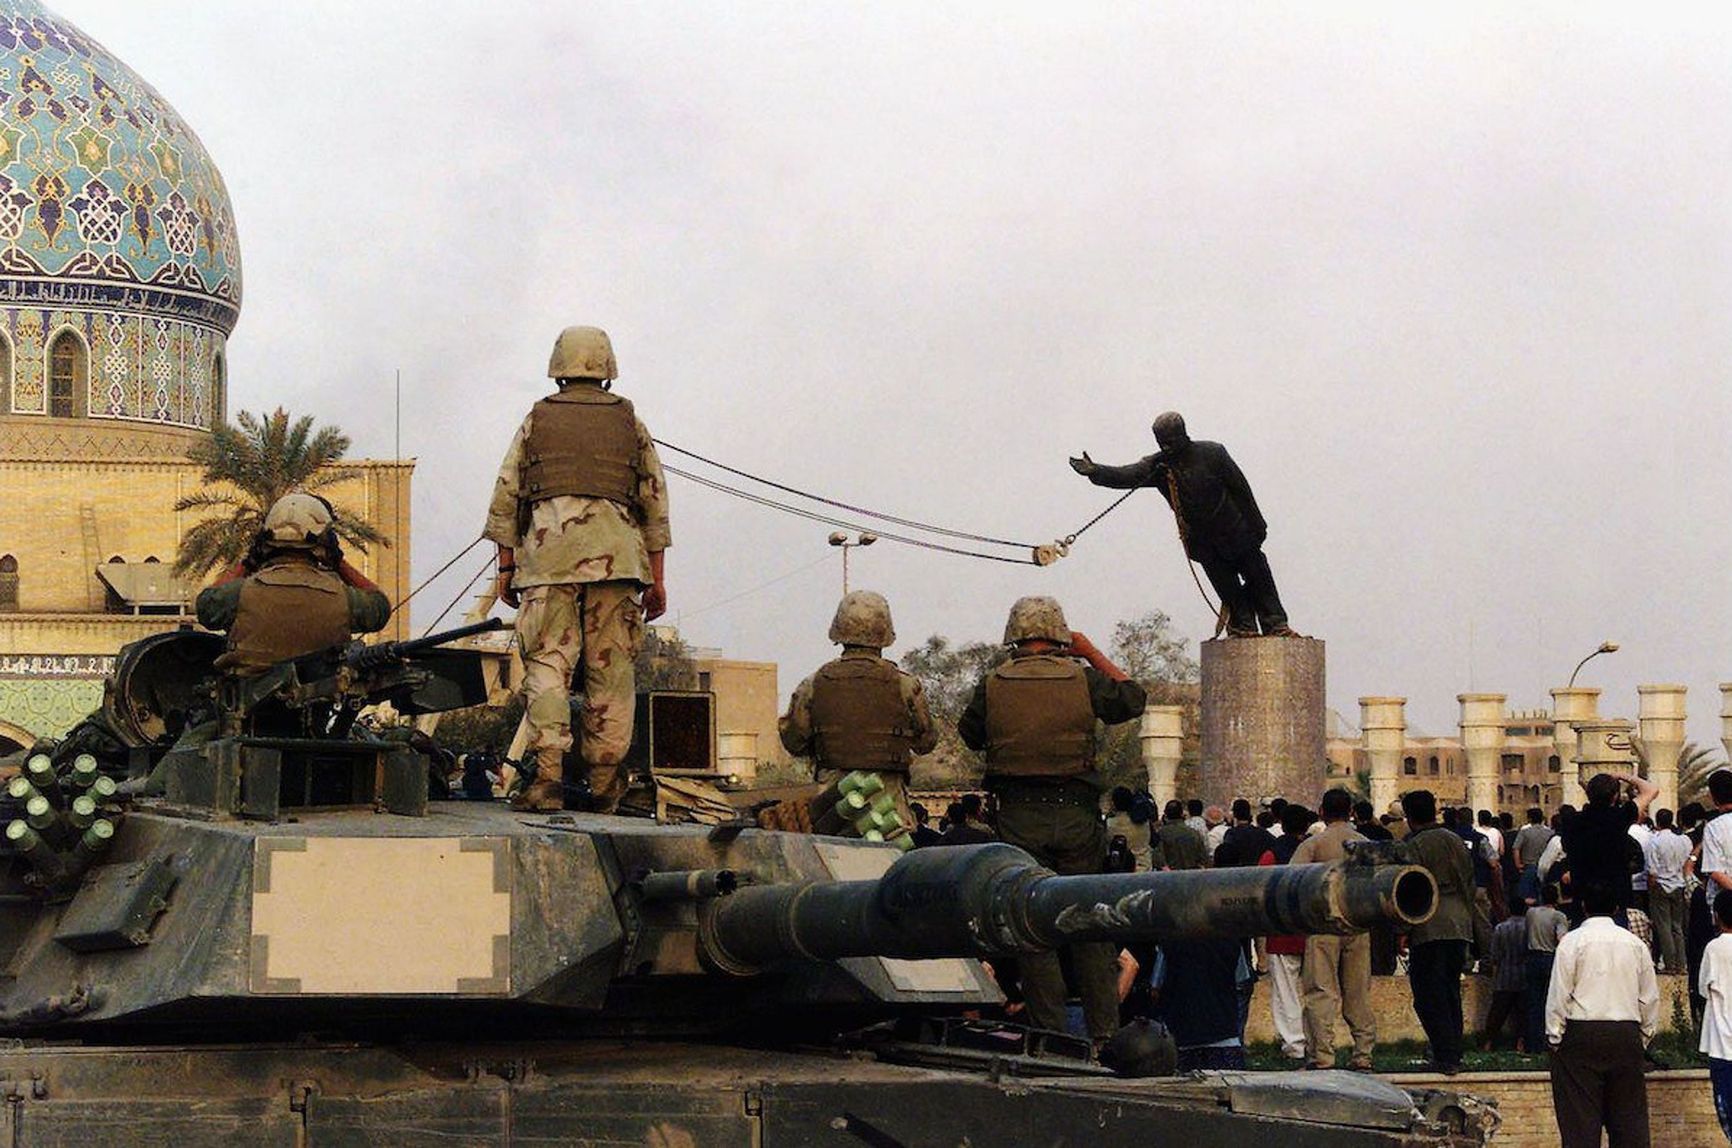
[(1660, 722), (1264, 732), (1572, 704), (1482, 733), (1162, 733), (1383, 726)]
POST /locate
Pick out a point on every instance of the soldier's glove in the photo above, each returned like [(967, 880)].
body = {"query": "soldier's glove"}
[(1085, 465)]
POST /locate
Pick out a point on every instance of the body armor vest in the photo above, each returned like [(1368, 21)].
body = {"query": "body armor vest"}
[(1040, 721), (859, 720), (581, 441), (285, 610)]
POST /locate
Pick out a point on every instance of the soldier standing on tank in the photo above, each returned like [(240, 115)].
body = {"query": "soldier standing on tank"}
[(1033, 717), (1219, 523), (293, 594), (860, 711), (580, 517)]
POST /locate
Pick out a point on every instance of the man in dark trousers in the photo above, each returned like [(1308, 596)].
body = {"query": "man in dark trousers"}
[(1219, 523), (1033, 718), (1437, 950), (1602, 1009)]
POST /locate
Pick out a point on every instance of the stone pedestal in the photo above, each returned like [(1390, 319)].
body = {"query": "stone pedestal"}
[(1726, 717), (1482, 734), (1383, 730), (1572, 704), (1603, 746), (1162, 733), (1264, 731), (1660, 723)]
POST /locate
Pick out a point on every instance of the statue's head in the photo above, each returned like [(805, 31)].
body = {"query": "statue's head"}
[(1169, 430)]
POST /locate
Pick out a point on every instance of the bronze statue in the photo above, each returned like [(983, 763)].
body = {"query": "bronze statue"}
[(1219, 523)]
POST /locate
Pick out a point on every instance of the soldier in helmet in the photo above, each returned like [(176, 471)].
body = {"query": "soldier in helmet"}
[(1033, 718), (860, 712), (580, 518), (293, 594), (1219, 523)]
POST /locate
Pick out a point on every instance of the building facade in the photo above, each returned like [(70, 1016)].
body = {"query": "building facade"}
[(120, 284)]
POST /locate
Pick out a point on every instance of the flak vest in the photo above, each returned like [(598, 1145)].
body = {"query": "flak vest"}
[(285, 610), (1040, 721), (859, 720), (582, 441)]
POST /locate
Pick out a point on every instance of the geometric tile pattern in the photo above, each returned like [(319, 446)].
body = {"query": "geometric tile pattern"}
[(113, 222)]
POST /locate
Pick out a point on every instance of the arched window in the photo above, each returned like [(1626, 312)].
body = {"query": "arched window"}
[(68, 375), (8, 584), (1431, 765), (219, 377), (1410, 766), (1553, 765)]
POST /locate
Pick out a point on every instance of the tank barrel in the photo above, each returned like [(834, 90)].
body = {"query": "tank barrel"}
[(995, 900)]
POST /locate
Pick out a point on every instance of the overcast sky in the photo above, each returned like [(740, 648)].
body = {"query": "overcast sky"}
[(1455, 289)]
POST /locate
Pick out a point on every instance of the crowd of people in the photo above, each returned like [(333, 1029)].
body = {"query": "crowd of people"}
[(1569, 916)]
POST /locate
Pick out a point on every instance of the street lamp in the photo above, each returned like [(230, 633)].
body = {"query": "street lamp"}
[(838, 538), (1605, 648)]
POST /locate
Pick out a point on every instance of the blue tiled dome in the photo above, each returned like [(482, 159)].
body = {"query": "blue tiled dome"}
[(107, 198)]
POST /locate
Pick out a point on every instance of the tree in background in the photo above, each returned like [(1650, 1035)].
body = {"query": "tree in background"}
[(1695, 763), (949, 673), (664, 661), (247, 467)]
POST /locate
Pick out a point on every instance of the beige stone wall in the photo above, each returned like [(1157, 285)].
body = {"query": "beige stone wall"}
[(64, 516), (1263, 724), (748, 700), (1680, 1105)]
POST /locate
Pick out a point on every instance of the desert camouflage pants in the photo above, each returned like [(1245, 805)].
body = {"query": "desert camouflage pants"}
[(597, 626)]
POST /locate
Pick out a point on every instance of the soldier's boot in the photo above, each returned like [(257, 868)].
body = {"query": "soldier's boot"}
[(544, 794), (547, 792)]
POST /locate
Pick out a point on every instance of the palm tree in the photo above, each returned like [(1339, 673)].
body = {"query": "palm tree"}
[(1695, 763), (248, 467)]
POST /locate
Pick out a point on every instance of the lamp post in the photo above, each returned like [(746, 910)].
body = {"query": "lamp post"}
[(838, 538), (1605, 648)]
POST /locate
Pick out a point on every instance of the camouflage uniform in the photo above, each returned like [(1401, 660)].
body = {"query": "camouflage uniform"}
[(1034, 718), (858, 724), (581, 558)]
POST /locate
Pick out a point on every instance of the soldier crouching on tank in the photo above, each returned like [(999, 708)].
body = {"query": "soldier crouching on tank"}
[(580, 517), (1033, 717), (293, 594), (861, 712)]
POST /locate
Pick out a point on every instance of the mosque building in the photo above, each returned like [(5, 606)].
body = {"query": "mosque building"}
[(120, 284)]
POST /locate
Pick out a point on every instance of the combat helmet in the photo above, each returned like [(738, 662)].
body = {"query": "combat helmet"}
[(863, 619), (298, 521), (1037, 617), (582, 353)]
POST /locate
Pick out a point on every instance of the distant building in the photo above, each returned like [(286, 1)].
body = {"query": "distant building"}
[(1530, 771), (120, 282)]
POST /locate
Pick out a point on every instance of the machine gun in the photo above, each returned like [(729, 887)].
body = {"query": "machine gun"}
[(324, 691)]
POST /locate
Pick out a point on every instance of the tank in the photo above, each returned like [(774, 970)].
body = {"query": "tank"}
[(294, 946)]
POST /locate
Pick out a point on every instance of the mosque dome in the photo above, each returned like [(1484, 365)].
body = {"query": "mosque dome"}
[(120, 271)]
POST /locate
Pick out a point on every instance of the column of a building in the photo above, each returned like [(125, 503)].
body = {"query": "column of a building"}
[(1660, 721), (1383, 733), (1603, 746), (1163, 737), (1726, 717), (1482, 734), (1571, 705)]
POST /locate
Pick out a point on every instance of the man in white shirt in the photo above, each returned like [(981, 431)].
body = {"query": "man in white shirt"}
[(1668, 901), (1493, 834), (1716, 863), (1716, 986), (1641, 833), (1602, 1009)]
